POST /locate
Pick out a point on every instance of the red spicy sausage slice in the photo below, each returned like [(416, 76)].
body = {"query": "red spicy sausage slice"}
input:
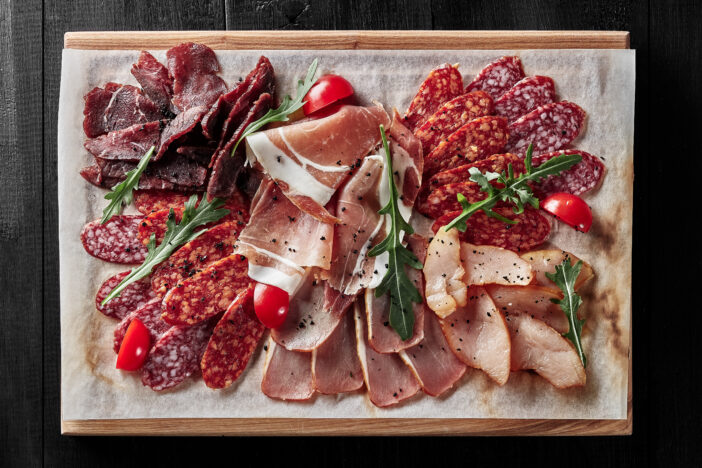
[(451, 116), (526, 96), (498, 77), (532, 230), (233, 341), (475, 140), (549, 128), (155, 223), (579, 179), (148, 201), (442, 84), (115, 241), (206, 293), (150, 315), (131, 298)]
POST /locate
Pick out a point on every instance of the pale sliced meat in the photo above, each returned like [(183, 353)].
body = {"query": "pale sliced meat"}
[(311, 159), (532, 300), (388, 380), (478, 336), (335, 363), (538, 347), (486, 264), (443, 274), (280, 240), (545, 261), (434, 365), (287, 375), (407, 160), (381, 336), (314, 313)]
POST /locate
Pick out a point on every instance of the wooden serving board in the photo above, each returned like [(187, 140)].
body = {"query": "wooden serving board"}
[(428, 40)]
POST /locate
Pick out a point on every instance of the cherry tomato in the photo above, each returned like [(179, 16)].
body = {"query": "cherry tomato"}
[(327, 90), (135, 346), (271, 305), (569, 208)]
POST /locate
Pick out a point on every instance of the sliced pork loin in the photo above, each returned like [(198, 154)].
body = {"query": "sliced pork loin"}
[(545, 261), (155, 81), (486, 264), (335, 364), (195, 71), (532, 300), (115, 107), (443, 270), (287, 375), (538, 347), (478, 336)]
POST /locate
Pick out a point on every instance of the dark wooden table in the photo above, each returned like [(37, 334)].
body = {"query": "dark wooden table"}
[(667, 260)]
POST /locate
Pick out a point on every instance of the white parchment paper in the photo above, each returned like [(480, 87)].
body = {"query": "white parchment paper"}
[(601, 81)]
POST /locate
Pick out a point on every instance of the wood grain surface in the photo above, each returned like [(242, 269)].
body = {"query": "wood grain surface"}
[(666, 264)]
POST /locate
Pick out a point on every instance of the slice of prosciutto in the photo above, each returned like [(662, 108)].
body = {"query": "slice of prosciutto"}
[(280, 241), (538, 347), (388, 380), (311, 159), (314, 313), (287, 375), (487, 264), (335, 363), (443, 270), (434, 365), (532, 300), (478, 336), (545, 261)]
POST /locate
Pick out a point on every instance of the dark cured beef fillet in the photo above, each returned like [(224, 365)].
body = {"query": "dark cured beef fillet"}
[(180, 127), (116, 107), (93, 175), (200, 154), (212, 122), (154, 80), (128, 144), (194, 68), (174, 168)]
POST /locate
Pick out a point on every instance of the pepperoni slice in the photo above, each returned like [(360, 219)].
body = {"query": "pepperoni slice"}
[(443, 84), (155, 223), (148, 201), (131, 298), (444, 199), (150, 315), (206, 293), (475, 140), (526, 96), (549, 128), (579, 179), (233, 341), (498, 77), (451, 116), (115, 241), (532, 230)]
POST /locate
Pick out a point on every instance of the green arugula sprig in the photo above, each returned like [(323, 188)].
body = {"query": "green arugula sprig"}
[(565, 276), (515, 190), (121, 194), (287, 107), (176, 235), (402, 292)]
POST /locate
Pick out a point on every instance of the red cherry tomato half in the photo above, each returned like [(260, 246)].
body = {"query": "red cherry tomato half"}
[(271, 305), (569, 208), (135, 347), (327, 90)]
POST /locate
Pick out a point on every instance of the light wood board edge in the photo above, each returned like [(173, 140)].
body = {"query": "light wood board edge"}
[(426, 40)]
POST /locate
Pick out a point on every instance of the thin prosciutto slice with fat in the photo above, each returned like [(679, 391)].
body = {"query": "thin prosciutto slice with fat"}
[(311, 159), (335, 363), (532, 300), (538, 347), (445, 289), (545, 261), (280, 241), (487, 264), (287, 375), (388, 380), (434, 365), (314, 313), (478, 336)]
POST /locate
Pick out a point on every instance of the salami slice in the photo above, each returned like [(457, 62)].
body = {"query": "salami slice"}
[(532, 229), (579, 179), (444, 199), (131, 298), (475, 140), (498, 77), (193, 257), (525, 96), (148, 201), (176, 355), (234, 340), (150, 315), (115, 241), (451, 116), (155, 223), (549, 128), (206, 293), (443, 84)]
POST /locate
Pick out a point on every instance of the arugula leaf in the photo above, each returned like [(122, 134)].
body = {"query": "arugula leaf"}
[(565, 276), (121, 194), (402, 291), (515, 190), (176, 235), (287, 106)]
